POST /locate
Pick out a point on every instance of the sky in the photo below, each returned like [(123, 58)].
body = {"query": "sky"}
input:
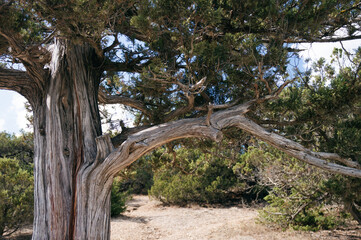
[(13, 113)]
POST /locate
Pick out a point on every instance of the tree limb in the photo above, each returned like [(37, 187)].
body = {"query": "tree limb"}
[(322, 40), (292, 148), (112, 99), (179, 111), (132, 65), (146, 140), (17, 81)]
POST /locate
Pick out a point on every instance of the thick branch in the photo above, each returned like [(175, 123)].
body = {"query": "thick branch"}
[(146, 140), (126, 132), (338, 158), (292, 148), (17, 81), (33, 57)]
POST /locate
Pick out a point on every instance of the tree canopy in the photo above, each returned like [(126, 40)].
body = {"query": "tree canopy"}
[(185, 69)]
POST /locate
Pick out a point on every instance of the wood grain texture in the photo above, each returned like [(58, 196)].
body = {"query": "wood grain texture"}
[(66, 124)]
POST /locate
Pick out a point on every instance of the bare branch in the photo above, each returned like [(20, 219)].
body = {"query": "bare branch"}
[(17, 81), (323, 40), (338, 158), (33, 57), (172, 115), (279, 90), (146, 140), (292, 148), (105, 98), (113, 45), (126, 132)]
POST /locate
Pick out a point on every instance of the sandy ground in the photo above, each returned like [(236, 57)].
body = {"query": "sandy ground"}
[(149, 219)]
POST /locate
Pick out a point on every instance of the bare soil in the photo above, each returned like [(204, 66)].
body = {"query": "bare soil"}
[(147, 219)]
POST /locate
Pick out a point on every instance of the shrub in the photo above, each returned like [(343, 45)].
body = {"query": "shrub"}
[(298, 194), (198, 176), (176, 188), (16, 196), (118, 198)]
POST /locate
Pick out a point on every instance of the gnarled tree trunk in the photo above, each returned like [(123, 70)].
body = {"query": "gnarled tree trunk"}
[(66, 125)]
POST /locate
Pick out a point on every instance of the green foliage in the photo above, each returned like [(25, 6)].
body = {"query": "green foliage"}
[(16, 196), (19, 147), (202, 175), (118, 199), (176, 188), (298, 193)]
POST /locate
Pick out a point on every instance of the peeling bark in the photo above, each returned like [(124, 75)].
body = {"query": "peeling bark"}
[(66, 124)]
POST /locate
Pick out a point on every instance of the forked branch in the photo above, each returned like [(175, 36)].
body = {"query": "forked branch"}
[(146, 140)]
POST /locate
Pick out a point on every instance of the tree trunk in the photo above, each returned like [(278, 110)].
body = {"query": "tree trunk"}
[(352, 209), (70, 199)]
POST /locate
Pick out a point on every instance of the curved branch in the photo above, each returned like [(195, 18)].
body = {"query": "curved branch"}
[(294, 149), (17, 81), (179, 111), (32, 57), (146, 140), (111, 99), (126, 132)]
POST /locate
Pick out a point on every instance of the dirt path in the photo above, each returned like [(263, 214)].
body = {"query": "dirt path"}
[(148, 219)]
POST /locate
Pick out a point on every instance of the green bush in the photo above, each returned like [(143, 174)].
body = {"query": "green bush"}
[(298, 194), (176, 188), (118, 198), (199, 175), (16, 196)]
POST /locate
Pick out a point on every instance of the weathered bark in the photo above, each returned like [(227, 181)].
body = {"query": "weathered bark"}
[(352, 209), (66, 125), (17, 81)]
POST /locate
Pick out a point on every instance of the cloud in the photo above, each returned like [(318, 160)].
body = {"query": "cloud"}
[(117, 113), (315, 51), (17, 105)]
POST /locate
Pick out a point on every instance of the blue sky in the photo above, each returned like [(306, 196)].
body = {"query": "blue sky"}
[(12, 111)]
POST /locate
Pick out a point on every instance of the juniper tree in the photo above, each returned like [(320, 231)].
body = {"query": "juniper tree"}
[(194, 68)]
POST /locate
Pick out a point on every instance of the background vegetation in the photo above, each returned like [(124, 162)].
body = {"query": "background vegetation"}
[(16, 182)]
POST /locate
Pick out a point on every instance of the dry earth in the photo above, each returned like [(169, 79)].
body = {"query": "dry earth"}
[(148, 219)]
